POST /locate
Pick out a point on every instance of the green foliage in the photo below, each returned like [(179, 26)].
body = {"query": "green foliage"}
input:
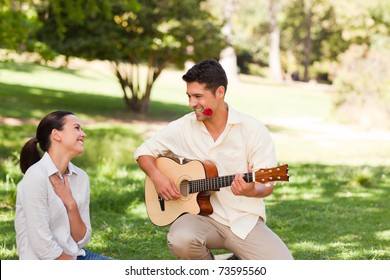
[(69, 13), (250, 30), (318, 19), (18, 24), (363, 84), (157, 33), (333, 26), (362, 21), (79, 28)]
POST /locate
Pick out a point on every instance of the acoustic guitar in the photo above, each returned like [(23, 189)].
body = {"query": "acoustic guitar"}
[(196, 180)]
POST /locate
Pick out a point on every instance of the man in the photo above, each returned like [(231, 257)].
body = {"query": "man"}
[(235, 143)]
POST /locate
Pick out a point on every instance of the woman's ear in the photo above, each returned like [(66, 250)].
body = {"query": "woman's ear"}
[(56, 135)]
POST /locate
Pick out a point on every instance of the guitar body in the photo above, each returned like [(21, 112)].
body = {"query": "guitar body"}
[(196, 181), (163, 213)]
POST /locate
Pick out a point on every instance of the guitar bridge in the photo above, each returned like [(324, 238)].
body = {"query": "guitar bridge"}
[(162, 203)]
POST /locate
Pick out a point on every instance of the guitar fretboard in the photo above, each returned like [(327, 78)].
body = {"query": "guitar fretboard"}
[(215, 183)]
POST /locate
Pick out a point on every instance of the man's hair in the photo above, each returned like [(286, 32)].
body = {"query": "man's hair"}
[(208, 72)]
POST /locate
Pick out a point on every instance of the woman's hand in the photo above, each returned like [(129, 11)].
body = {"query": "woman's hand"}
[(63, 190)]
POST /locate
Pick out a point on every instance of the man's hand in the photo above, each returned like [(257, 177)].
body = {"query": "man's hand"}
[(253, 189), (165, 187)]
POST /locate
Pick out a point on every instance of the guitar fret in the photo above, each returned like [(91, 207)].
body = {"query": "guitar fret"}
[(229, 180), (216, 183)]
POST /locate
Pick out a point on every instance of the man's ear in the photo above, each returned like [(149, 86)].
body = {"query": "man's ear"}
[(220, 91)]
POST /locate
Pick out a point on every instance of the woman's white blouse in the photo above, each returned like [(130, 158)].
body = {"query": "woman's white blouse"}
[(41, 219)]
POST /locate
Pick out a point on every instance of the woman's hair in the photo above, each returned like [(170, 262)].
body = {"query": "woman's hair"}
[(30, 153), (208, 72)]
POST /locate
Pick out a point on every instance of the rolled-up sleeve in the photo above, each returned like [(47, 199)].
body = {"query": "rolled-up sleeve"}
[(165, 141), (144, 149)]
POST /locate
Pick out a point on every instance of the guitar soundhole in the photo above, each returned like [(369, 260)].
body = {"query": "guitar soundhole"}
[(184, 191)]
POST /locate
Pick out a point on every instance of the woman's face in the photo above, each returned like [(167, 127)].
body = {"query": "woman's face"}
[(72, 135)]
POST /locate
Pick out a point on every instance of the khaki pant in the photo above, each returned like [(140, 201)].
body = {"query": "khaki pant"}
[(192, 237)]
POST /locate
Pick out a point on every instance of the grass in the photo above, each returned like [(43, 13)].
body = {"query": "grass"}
[(334, 207), (329, 212)]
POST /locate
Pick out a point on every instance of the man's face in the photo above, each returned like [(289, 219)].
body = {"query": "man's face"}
[(200, 98)]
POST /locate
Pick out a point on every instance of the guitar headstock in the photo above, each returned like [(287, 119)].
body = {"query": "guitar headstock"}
[(279, 173)]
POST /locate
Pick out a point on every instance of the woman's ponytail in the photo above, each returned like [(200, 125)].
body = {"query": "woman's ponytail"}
[(29, 154)]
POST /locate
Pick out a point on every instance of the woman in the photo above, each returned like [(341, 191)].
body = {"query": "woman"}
[(52, 205)]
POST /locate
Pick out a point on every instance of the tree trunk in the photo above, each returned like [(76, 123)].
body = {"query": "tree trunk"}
[(228, 58), (153, 72), (308, 19), (275, 66), (129, 76)]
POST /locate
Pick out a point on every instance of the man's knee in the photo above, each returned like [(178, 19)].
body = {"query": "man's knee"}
[(179, 243), (184, 244)]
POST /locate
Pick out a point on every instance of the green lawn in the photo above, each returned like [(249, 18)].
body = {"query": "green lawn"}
[(334, 207)]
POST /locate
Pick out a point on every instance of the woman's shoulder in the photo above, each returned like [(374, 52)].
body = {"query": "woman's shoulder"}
[(36, 171), (34, 179)]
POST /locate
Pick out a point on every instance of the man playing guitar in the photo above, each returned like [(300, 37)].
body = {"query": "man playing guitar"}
[(235, 143)]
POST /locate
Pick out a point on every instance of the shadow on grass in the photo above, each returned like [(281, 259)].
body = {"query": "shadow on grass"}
[(23, 102), (31, 67), (32, 103)]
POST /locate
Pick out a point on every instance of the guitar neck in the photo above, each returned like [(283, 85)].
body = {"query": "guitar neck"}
[(215, 183)]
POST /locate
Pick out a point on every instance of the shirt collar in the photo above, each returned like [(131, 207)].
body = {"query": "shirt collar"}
[(52, 169), (233, 116)]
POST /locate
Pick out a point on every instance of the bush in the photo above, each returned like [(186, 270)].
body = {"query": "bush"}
[(362, 81)]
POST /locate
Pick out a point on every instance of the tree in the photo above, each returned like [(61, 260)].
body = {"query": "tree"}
[(275, 67), (155, 33), (308, 37), (362, 82), (18, 24), (363, 76), (228, 58), (310, 32)]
